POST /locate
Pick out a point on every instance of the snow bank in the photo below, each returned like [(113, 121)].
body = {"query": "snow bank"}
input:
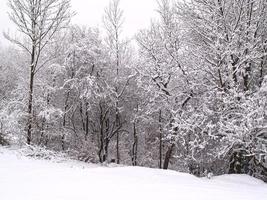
[(23, 178)]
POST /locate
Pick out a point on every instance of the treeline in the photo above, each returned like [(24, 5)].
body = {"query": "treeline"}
[(192, 97)]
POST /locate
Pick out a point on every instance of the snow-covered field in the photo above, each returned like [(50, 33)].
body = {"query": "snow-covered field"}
[(22, 178)]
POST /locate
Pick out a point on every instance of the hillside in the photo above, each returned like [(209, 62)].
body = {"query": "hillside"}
[(23, 178)]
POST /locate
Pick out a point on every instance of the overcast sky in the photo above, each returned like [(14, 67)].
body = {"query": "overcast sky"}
[(137, 14)]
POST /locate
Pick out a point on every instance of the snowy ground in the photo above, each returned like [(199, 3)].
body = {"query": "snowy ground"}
[(23, 178)]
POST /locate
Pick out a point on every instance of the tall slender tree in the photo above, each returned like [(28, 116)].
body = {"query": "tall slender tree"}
[(113, 21), (37, 21)]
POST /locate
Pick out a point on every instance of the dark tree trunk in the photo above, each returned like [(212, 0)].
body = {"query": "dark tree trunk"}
[(117, 136), (64, 121), (101, 141), (30, 101), (118, 148), (3, 141), (160, 140), (168, 156), (246, 77), (134, 147), (101, 136), (82, 116), (63, 142), (86, 122), (105, 155)]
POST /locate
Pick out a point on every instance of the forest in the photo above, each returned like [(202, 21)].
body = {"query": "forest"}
[(188, 93)]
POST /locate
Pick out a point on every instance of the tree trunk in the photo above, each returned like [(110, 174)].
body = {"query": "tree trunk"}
[(82, 116), (86, 121), (64, 121), (101, 136), (160, 140), (30, 102), (168, 156), (134, 147), (118, 148), (117, 136), (63, 142), (105, 155)]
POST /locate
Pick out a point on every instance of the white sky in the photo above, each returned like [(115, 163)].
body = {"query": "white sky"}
[(137, 14)]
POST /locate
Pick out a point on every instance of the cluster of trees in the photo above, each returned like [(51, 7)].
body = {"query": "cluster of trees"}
[(192, 97)]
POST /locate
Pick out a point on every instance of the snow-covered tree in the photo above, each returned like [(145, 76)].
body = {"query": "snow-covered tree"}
[(37, 21)]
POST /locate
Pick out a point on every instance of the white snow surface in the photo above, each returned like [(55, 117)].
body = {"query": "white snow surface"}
[(23, 178)]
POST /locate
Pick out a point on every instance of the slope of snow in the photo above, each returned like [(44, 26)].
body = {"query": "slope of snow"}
[(22, 178)]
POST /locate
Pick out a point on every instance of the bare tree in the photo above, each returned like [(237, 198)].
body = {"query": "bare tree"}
[(38, 21), (113, 21)]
